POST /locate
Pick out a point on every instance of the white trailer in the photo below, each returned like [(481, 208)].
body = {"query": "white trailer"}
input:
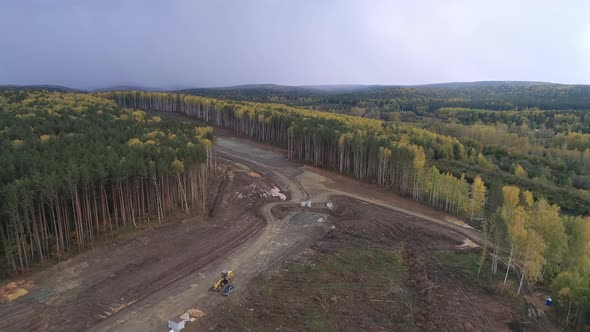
[(176, 324)]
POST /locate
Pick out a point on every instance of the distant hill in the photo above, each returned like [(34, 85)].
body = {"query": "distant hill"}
[(347, 88), (255, 92), (495, 95), (483, 84), (60, 88), (129, 88), (56, 88), (310, 89), (340, 87)]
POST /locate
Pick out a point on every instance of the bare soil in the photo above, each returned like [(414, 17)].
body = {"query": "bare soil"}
[(96, 285), (366, 290)]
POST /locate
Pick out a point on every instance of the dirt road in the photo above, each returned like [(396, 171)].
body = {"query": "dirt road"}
[(138, 284), (320, 184)]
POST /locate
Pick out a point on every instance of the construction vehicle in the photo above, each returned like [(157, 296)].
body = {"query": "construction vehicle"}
[(228, 290), (222, 281)]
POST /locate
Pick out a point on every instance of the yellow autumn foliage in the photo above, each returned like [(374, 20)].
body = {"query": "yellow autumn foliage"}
[(135, 142)]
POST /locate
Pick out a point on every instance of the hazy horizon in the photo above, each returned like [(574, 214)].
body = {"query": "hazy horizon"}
[(197, 44), (311, 86)]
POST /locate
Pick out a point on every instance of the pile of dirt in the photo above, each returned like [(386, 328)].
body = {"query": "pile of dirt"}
[(195, 313), (458, 222), (257, 192), (14, 290), (276, 192), (192, 314), (467, 243)]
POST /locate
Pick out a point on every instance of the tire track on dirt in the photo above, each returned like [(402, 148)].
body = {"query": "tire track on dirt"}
[(431, 277), (419, 259), (264, 252), (296, 189)]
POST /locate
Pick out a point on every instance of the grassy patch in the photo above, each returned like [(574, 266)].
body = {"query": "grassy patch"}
[(318, 324), (353, 288), (468, 263)]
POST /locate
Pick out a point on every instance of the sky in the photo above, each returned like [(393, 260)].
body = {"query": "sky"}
[(91, 44)]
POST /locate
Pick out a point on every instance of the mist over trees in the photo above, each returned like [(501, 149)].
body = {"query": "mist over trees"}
[(491, 95)]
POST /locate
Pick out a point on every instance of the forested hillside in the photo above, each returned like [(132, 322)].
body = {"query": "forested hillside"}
[(422, 98), (540, 129), (77, 167), (528, 233), (551, 146)]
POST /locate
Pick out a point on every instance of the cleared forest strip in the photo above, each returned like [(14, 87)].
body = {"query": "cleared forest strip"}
[(366, 149), (537, 236)]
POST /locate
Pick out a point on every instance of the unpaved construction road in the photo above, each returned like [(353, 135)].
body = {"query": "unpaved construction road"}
[(140, 283)]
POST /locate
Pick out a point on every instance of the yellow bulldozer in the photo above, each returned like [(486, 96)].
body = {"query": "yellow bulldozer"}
[(223, 280)]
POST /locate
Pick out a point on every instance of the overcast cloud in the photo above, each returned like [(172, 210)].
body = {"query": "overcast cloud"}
[(181, 43)]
